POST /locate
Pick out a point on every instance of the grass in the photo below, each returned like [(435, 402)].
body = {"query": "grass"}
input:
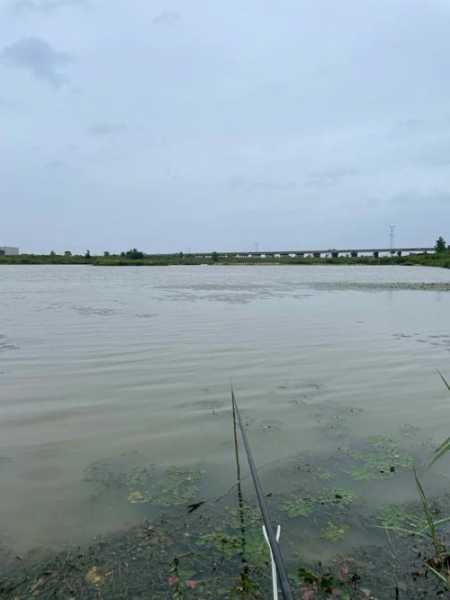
[(428, 527)]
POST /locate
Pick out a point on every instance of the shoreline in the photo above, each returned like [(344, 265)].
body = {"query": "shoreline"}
[(442, 261)]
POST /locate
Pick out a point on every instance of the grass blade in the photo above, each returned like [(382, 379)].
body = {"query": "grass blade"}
[(429, 517), (440, 451), (444, 579), (419, 533), (446, 383)]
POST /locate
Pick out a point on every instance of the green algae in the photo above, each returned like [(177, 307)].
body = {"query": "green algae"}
[(302, 506), (333, 532), (381, 460), (144, 484), (178, 486), (247, 514), (230, 545), (397, 517)]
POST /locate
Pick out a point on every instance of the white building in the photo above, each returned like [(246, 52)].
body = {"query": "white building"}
[(9, 251)]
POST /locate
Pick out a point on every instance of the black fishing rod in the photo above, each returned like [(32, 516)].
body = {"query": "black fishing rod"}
[(276, 552)]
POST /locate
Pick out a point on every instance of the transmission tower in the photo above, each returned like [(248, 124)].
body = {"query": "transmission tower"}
[(392, 237)]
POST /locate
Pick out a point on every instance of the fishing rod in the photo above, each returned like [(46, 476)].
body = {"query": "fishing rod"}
[(269, 532)]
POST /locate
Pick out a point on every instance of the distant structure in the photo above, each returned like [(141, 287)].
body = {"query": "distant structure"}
[(8, 251), (392, 237)]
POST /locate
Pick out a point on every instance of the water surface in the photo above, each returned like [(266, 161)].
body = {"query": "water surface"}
[(99, 363)]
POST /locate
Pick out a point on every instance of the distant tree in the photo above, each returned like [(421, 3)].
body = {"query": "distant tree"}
[(180, 255), (52, 253), (134, 254), (215, 257), (440, 246), (106, 253), (87, 254), (67, 253)]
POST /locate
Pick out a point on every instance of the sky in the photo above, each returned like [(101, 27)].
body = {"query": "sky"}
[(191, 126)]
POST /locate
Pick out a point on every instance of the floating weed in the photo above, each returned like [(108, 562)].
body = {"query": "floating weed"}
[(309, 467), (251, 516), (256, 551), (144, 483), (96, 577), (298, 507), (323, 474), (305, 505), (179, 486), (228, 545), (333, 532), (380, 461), (119, 473), (137, 498), (397, 518)]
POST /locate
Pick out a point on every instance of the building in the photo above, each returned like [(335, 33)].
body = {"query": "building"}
[(9, 251)]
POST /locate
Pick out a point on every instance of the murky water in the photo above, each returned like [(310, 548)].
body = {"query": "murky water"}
[(102, 363)]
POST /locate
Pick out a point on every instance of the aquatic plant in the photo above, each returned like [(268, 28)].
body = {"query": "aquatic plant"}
[(395, 517), (333, 532), (230, 545), (380, 461), (302, 506)]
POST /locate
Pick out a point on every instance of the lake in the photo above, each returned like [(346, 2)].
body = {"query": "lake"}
[(102, 366)]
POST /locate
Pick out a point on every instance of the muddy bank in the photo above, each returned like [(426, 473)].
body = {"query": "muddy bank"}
[(338, 541)]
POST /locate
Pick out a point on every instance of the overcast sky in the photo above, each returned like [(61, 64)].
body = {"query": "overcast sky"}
[(202, 125)]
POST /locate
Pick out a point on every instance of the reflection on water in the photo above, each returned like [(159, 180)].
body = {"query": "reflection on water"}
[(98, 363)]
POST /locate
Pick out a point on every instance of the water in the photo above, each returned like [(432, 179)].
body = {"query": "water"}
[(100, 362)]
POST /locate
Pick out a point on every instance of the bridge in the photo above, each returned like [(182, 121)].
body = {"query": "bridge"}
[(330, 253)]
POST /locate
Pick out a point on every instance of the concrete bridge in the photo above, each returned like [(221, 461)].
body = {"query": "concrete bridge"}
[(331, 253)]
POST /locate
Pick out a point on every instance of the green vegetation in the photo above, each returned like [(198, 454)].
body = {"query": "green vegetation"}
[(381, 460), (174, 486), (333, 532), (440, 246), (401, 520), (302, 506), (427, 525), (137, 258)]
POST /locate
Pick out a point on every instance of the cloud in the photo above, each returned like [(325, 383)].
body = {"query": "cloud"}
[(329, 178), (167, 18), (106, 129), (239, 183), (9, 105), (43, 6), (35, 55)]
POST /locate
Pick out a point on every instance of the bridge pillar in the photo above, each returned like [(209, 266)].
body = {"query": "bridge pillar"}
[(316, 254), (354, 254), (334, 254)]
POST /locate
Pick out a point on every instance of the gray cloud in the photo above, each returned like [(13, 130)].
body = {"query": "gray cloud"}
[(9, 105), (245, 184), (43, 6), (329, 178), (35, 55), (167, 17), (305, 133), (106, 129)]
